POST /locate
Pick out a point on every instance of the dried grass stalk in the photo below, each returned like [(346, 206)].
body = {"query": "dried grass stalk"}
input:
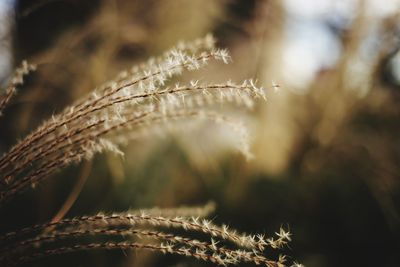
[(110, 116)]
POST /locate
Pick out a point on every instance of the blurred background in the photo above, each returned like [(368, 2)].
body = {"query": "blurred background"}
[(326, 144)]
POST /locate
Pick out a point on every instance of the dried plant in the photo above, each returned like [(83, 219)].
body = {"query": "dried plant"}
[(121, 110)]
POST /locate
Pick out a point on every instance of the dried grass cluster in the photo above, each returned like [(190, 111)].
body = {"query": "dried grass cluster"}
[(126, 108)]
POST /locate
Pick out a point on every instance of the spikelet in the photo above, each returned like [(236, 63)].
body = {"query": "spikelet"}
[(119, 111), (138, 101), (17, 80), (242, 248)]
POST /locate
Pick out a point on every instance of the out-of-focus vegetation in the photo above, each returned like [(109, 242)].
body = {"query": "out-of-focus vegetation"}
[(326, 144)]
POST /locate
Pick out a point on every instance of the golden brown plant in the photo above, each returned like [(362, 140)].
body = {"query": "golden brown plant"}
[(125, 108)]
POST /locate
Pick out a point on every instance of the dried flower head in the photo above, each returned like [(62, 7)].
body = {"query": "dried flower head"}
[(113, 114)]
